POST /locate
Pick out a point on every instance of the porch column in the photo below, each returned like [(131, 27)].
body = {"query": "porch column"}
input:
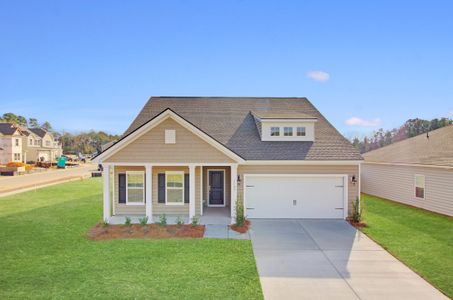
[(191, 192), (106, 178), (234, 191), (149, 193)]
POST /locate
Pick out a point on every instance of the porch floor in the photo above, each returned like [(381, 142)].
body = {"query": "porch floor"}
[(216, 216), (211, 216)]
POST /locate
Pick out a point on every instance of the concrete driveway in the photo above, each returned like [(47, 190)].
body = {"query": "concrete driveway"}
[(329, 259)]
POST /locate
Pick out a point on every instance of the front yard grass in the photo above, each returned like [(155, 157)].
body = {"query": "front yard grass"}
[(44, 253), (421, 239)]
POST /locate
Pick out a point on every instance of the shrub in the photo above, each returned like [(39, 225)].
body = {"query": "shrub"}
[(143, 221), (128, 221), (179, 221), (163, 220), (194, 221), (240, 219), (356, 211)]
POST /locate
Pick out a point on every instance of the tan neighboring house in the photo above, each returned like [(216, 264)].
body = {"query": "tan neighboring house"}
[(417, 171), (198, 156), (10, 143), (40, 145)]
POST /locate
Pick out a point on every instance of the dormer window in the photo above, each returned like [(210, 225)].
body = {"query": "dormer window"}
[(288, 131), (285, 126), (300, 131), (275, 131)]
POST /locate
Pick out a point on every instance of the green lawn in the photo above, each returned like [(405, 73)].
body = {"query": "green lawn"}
[(44, 254), (422, 240)]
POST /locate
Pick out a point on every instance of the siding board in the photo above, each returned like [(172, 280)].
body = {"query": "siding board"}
[(397, 183), (151, 147)]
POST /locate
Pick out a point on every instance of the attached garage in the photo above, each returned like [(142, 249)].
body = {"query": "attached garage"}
[(320, 196)]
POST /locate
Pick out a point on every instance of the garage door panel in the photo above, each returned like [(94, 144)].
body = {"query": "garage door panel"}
[(294, 197)]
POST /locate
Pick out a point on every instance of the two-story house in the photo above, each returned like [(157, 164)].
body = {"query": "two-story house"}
[(10, 143), (40, 145)]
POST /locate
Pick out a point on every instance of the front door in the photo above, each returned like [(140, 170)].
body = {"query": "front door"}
[(216, 188)]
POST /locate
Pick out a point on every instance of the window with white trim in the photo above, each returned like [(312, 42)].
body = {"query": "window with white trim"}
[(275, 131), (17, 142), (174, 189), (288, 131), (135, 187), (420, 186), (16, 156), (300, 131)]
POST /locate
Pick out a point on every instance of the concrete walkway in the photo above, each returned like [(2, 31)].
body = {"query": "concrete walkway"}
[(16, 184), (329, 259)]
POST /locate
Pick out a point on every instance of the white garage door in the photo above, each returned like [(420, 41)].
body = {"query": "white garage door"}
[(292, 196)]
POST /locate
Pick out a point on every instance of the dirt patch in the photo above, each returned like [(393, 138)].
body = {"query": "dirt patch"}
[(152, 231), (241, 229), (358, 225)]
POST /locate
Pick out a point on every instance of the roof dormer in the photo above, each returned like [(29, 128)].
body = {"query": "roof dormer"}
[(285, 126)]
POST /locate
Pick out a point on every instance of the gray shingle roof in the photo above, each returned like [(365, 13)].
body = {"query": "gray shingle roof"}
[(229, 120), (7, 128), (437, 150), (38, 131)]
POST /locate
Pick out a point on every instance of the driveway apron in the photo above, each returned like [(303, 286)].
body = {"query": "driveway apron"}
[(329, 259)]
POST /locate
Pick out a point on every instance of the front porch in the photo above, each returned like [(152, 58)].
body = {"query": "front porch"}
[(207, 192)]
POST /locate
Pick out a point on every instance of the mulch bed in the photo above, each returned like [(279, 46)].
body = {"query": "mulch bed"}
[(358, 225), (241, 229), (152, 231)]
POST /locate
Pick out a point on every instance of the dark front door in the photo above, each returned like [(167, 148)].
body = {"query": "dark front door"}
[(216, 188)]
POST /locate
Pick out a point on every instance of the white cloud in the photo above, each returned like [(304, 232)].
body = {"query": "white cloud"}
[(318, 75), (451, 114), (355, 121)]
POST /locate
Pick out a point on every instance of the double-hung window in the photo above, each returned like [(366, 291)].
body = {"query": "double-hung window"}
[(174, 188), (135, 187), (288, 131), (300, 131), (275, 131), (420, 186)]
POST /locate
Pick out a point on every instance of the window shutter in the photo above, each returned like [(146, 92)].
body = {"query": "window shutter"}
[(122, 188), (161, 188), (186, 188)]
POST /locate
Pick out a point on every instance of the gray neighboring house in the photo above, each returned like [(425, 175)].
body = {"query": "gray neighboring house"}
[(199, 156), (417, 171)]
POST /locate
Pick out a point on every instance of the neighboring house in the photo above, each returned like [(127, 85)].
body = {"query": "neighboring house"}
[(10, 143), (417, 171), (195, 156), (40, 145)]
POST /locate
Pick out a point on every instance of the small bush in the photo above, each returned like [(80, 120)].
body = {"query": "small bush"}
[(163, 220), (128, 222), (143, 221), (240, 219), (179, 221), (194, 221), (356, 211)]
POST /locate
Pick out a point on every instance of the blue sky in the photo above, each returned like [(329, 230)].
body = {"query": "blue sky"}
[(93, 64)]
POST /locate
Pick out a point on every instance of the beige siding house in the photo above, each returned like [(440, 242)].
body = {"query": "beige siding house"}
[(417, 171), (199, 156)]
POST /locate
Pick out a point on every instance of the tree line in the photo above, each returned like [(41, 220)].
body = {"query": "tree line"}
[(410, 128), (83, 142)]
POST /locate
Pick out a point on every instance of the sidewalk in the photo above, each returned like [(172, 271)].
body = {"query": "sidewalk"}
[(15, 184)]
